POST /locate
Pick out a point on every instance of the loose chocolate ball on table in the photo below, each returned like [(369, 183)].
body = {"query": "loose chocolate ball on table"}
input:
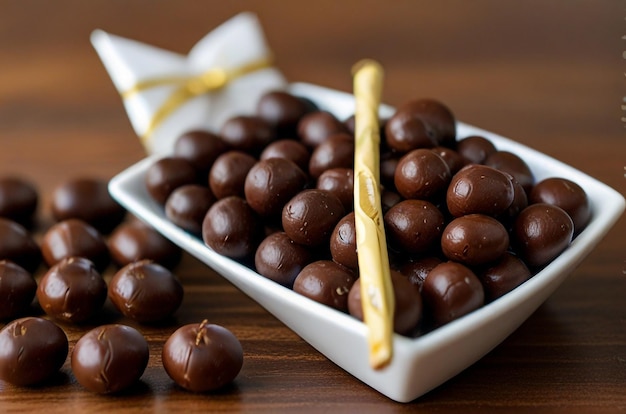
[(566, 194), (228, 174), (18, 200), (17, 245), (503, 276), (337, 151), (145, 291), (406, 131), (514, 165), (187, 206), (340, 182), (87, 199), (408, 304), (417, 270), (479, 189), (167, 174), (281, 259), (474, 239), (289, 149), (283, 111), (414, 226), (202, 357), (72, 290), (326, 282), (134, 240), (475, 148), (200, 149), (232, 228), (343, 242), (74, 237), (271, 183), (17, 290), (540, 233), (421, 174), (310, 217), (451, 290), (315, 127), (110, 358), (249, 134), (32, 350)]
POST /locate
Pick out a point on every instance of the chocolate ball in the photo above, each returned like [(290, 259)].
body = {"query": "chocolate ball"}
[(388, 165), (288, 149), (228, 174), (514, 165), (454, 160), (17, 290), (17, 245), (202, 357), (541, 232), (389, 199), (417, 270), (75, 238), (18, 200), (437, 116), (479, 189), (135, 240), (271, 183), (451, 290), (110, 358), (421, 174), (145, 291), (408, 304), (200, 149), (72, 290), (32, 350), (310, 217), (475, 148), (232, 228), (283, 111), (167, 174), (315, 127), (414, 226), (343, 242), (340, 182), (187, 206), (87, 199), (474, 239), (503, 276), (281, 259), (566, 194), (406, 131), (337, 151), (247, 133), (326, 282)]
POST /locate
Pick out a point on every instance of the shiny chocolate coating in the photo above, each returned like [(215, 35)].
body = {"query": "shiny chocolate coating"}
[(343, 242), (145, 291), (566, 194), (315, 127), (17, 245), (232, 228), (110, 358), (200, 149), (503, 276), (32, 350), (167, 174), (408, 304), (337, 151), (87, 199), (479, 189), (475, 148), (134, 240), (513, 164), (454, 160), (72, 290), (310, 217), (541, 232), (74, 237), (451, 290), (271, 183), (414, 226), (18, 200), (228, 174), (340, 182), (389, 199), (326, 282), (388, 165), (283, 111), (421, 174), (17, 290), (474, 239), (281, 259), (202, 357), (288, 149), (187, 206), (405, 132), (247, 133), (417, 270), (437, 116), (520, 201)]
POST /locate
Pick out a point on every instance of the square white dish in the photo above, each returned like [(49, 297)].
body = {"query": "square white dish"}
[(418, 364)]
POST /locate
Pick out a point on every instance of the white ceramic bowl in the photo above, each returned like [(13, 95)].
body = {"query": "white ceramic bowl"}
[(419, 364)]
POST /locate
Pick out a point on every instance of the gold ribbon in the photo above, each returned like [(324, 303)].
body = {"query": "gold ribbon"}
[(190, 87)]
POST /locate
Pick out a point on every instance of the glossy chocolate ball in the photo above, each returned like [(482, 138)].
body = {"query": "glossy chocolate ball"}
[(474, 239), (283, 111), (437, 116), (566, 194), (32, 350), (340, 182), (281, 259), (17, 245), (228, 174), (343, 243), (503, 276), (326, 282), (110, 358), (475, 148), (145, 291), (337, 151), (421, 174), (17, 290), (288, 149), (414, 226), (406, 132), (72, 290), (247, 133), (417, 270), (315, 127), (75, 238), (513, 164), (200, 149), (202, 357), (18, 200), (167, 174), (454, 160), (187, 206)]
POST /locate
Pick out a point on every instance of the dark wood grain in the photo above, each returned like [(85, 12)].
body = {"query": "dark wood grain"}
[(547, 73)]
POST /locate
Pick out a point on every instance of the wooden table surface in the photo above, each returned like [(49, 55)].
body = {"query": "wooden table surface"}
[(547, 73)]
